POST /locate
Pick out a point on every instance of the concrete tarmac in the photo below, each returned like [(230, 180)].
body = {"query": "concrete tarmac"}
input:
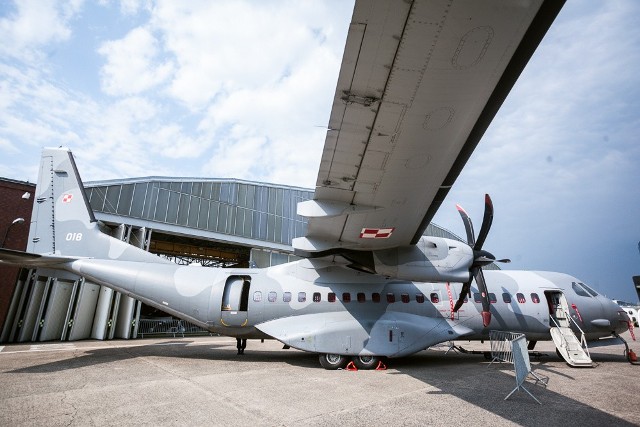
[(202, 381)]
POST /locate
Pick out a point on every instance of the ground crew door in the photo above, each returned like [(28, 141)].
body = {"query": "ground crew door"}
[(235, 301)]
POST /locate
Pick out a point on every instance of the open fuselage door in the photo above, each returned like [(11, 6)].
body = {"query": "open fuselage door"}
[(572, 350), (235, 301)]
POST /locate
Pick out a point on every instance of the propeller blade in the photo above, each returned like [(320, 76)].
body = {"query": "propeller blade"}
[(466, 289), (505, 260), (486, 222), (468, 226), (484, 295)]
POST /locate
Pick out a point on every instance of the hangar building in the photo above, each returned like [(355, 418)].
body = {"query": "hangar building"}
[(212, 222)]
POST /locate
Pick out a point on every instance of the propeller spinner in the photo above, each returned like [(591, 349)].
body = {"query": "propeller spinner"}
[(480, 259)]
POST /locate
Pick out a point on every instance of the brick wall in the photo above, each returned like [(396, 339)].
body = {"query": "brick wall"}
[(13, 206)]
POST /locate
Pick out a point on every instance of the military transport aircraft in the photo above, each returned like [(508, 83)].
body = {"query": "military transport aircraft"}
[(419, 84)]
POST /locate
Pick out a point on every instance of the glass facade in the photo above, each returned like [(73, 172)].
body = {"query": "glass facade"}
[(251, 210)]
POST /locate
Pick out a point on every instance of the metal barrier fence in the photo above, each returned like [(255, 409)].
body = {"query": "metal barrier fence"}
[(501, 350), (164, 327)]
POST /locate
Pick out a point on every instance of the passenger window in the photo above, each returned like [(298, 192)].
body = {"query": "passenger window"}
[(434, 298), (302, 296), (257, 296), (375, 297), (272, 296), (506, 297), (391, 298), (361, 297), (521, 298), (332, 297), (346, 297), (492, 298), (420, 298), (286, 297), (316, 297), (404, 298), (476, 297), (535, 298), (588, 289), (579, 290)]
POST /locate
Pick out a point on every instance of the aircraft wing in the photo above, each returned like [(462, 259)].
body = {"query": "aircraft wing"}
[(419, 84)]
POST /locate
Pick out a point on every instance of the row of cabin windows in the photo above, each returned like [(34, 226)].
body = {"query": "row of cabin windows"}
[(506, 298), (434, 297)]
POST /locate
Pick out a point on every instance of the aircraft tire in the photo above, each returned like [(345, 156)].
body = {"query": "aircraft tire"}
[(333, 361), (366, 362)]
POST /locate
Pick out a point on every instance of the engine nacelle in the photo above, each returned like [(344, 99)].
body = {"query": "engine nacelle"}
[(432, 259)]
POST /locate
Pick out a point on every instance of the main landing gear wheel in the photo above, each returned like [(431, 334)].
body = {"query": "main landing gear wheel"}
[(366, 362), (333, 361)]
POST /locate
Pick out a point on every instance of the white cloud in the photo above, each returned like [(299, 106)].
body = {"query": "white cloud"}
[(132, 64), (35, 23)]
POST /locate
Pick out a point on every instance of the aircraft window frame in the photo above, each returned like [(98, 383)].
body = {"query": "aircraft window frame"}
[(375, 297), (420, 298), (331, 297), (477, 298), (317, 297), (257, 296), (272, 296), (361, 297), (579, 290), (492, 298), (346, 297), (589, 289), (391, 297), (434, 297), (404, 297), (521, 298), (286, 297), (302, 297), (506, 297), (535, 298)]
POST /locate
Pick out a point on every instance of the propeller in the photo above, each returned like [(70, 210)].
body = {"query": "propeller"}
[(480, 259)]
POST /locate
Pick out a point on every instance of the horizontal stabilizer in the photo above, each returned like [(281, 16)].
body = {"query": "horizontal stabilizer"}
[(9, 256)]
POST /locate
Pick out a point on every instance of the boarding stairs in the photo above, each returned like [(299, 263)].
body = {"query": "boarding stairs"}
[(574, 351)]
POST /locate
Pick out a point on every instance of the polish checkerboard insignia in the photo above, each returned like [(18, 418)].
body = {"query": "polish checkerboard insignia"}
[(67, 198), (376, 233)]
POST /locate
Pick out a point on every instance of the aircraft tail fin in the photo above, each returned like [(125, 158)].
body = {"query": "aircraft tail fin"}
[(62, 221)]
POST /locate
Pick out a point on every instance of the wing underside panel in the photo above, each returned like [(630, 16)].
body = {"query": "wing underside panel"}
[(417, 84)]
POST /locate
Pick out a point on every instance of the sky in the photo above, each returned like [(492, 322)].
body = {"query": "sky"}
[(243, 89)]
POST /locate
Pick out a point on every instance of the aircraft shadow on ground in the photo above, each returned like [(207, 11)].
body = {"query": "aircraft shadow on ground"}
[(177, 349), (466, 377), (485, 386)]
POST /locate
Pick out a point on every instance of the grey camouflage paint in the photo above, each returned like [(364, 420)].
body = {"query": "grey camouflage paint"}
[(71, 240)]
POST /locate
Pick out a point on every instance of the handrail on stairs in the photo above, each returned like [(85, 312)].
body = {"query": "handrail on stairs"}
[(583, 341)]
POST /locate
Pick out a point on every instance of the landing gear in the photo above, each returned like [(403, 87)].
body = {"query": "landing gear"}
[(338, 361), (333, 361), (241, 344), (366, 362)]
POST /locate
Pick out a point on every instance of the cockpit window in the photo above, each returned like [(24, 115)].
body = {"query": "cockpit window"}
[(579, 290), (590, 290)]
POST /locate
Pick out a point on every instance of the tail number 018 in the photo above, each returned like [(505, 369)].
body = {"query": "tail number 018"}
[(73, 237)]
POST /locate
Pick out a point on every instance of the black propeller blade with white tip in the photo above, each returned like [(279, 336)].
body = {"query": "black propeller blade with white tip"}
[(480, 258)]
